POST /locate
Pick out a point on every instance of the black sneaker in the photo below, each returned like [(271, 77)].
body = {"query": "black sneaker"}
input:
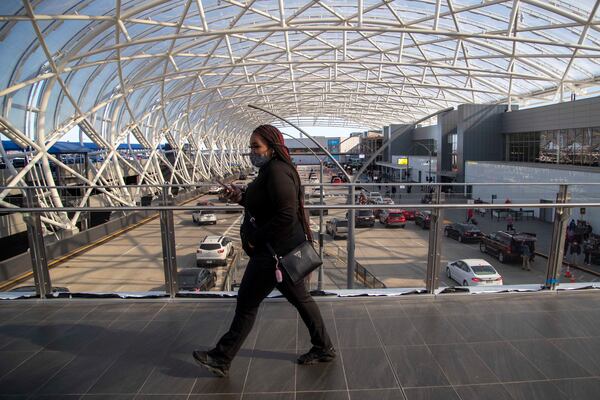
[(317, 355), (217, 367)]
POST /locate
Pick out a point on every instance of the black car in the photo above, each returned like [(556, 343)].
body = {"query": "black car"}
[(423, 219), (364, 218), (507, 246), (196, 279), (55, 289), (316, 212), (463, 232)]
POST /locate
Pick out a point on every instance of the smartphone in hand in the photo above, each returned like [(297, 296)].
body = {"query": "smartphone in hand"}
[(225, 187)]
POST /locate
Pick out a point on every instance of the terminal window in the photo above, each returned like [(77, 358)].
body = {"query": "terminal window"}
[(579, 146)]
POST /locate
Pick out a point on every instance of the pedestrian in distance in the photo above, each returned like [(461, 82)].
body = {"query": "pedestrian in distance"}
[(470, 213), (525, 256), (587, 252), (274, 215), (575, 251), (509, 223)]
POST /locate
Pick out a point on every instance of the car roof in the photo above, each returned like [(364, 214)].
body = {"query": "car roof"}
[(472, 226), (213, 239), (474, 261)]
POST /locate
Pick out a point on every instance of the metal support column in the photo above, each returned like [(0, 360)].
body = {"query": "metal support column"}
[(320, 279), (557, 245), (37, 248), (434, 253), (167, 233), (351, 266)]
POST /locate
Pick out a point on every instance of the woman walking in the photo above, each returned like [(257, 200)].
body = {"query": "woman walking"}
[(274, 215)]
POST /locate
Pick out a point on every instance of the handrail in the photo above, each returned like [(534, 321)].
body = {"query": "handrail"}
[(336, 185), (308, 207)]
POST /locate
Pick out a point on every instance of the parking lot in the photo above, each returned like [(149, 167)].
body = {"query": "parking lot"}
[(398, 256)]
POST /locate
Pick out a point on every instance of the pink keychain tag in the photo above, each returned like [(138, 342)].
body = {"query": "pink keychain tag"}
[(278, 275)]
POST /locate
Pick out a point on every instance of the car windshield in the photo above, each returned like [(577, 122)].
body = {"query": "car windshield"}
[(483, 269), (375, 194), (342, 223), (210, 246), (395, 215), (365, 213)]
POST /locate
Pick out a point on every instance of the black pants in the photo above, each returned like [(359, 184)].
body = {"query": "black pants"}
[(257, 283)]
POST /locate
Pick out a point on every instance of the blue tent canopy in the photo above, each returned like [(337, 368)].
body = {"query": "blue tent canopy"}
[(70, 148)]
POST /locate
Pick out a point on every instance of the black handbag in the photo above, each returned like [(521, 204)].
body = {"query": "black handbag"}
[(299, 262)]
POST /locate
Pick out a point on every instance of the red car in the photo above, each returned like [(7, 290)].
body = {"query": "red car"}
[(336, 180), (409, 214), (392, 218)]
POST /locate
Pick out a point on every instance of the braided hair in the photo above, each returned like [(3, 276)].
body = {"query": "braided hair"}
[(274, 138)]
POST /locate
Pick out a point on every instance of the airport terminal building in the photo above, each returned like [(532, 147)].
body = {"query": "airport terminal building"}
[(490, 143)]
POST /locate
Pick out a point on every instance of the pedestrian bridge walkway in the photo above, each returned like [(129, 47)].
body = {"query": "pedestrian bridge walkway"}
[(530, 346)]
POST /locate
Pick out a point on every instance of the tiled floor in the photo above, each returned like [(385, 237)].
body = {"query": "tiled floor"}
[(510, 346)]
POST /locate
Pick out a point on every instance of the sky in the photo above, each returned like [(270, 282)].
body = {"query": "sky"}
[(322, 131)]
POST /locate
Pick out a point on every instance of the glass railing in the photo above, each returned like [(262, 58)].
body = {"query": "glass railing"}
[(182, 240)]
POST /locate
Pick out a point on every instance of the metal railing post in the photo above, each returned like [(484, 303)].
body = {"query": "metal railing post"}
[(351, 260), (434, 253), (167, 234), (37, 248), (321, 272), (559, 233)]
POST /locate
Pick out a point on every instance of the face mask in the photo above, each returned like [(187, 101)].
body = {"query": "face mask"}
[(259, 160)]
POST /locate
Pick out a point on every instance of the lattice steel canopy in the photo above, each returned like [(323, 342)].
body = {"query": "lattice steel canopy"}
[(184, 71)]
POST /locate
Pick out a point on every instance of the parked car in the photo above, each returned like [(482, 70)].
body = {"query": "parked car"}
[(463, 232), (363, 218), (375, 198), (316, 203), (55, 289), (336, 180), (337, 227), (423, 219), (215, 189), (242, 176), (204, 217), (316, 192), (196, 279), (214, 250), (233, 208), (392, 217), (473, 272), (507, 246), (409, 214)]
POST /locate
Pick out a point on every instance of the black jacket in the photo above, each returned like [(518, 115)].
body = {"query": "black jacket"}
[(272, 200)]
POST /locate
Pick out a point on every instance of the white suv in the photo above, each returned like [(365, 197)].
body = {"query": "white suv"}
[(204, 217), (214, 250)]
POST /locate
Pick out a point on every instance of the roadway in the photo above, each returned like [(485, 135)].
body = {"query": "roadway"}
[(132, 261)]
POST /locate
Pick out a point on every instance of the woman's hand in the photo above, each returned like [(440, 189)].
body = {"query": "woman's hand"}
[(233, 193)]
